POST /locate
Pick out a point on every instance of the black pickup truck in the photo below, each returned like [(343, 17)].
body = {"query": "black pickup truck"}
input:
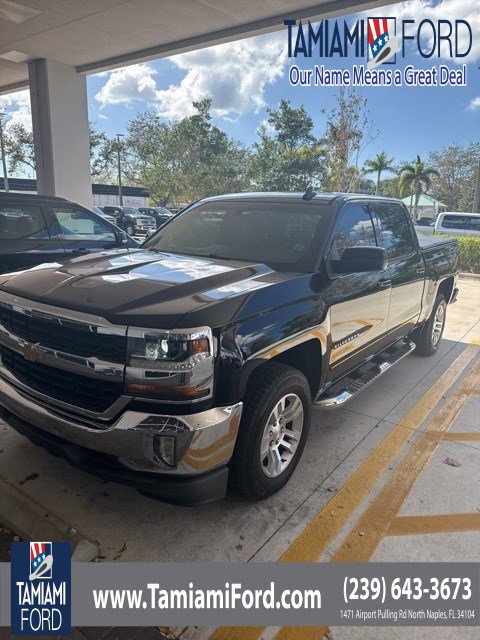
[(195, 359)]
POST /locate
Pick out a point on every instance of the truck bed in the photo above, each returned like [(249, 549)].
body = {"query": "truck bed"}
[(440, 255), (429, 241)]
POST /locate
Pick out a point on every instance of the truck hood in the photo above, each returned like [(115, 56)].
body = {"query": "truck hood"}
[(144, 288)]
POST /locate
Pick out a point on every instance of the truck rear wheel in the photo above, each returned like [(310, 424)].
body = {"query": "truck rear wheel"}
[(273, 431), (429, 337)]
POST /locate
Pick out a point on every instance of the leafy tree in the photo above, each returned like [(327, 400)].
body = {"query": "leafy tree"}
[(457, 168), (186, 160), (416, 177), (390, 187), (365, 185), (19, 148), (103, 159), (287, 156), (378, 165)]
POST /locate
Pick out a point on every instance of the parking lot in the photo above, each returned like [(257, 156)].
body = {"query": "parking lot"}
[(390, 477)]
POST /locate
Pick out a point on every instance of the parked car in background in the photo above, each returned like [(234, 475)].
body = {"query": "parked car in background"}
[(161, 214), (42, 229), (456, 223), (105, 216), (131, 220), (425, 222), (424, 226), (207, 346)]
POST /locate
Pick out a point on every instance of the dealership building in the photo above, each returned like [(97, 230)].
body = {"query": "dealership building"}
[(103, 194)]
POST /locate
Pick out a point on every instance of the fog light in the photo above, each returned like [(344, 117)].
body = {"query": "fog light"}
[(164, 449)]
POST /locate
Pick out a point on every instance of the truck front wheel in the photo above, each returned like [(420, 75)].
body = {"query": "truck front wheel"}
[(273, 431), (429, 337)]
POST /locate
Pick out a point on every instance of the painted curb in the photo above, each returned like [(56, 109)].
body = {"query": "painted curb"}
[(469, 276), (31, 521)]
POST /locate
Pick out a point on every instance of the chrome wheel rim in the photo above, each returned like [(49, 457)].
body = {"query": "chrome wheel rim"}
[(438, 323), (281, 435)]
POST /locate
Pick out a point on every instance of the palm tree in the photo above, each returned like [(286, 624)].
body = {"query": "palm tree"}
[(417, 178), (378, 165)]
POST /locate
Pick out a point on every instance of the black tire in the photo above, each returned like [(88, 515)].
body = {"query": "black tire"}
[(130, 230), (265, 389), (426, 342)]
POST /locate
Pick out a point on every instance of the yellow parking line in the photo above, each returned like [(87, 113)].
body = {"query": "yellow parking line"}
[(301, 633), (328, 523), (443, 523), (318, 535), (456, 436), (375, 522)]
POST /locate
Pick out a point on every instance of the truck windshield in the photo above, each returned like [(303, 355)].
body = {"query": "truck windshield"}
[(279, 234)]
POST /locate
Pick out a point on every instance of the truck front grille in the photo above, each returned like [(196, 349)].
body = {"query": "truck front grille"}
[(80, 391), (68, 337)]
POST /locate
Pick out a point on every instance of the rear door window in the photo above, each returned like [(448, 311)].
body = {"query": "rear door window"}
[(395, 229), (79, 224), (22, 222), (473, 224)]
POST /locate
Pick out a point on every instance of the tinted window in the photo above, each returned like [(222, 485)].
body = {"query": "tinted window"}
[(20, 222), (274, 233), (474, 224), (79, 224), (395, 228), (354, 228), (454, 222)]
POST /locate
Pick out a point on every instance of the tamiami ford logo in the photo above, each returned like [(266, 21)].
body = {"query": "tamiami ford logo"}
[(377, 44), (40, 588)]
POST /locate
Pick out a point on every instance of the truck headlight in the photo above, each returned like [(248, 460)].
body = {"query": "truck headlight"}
[(172, 366)]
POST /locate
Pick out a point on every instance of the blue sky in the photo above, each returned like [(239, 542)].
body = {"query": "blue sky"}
[(246, 77)]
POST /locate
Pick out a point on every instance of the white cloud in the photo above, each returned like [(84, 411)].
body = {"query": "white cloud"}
[(234, 75), (451, 10), (127, 84), (17, 109), (474, 104)]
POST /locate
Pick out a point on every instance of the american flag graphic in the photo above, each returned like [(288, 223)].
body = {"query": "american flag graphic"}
[(40, 553), (378, 35)]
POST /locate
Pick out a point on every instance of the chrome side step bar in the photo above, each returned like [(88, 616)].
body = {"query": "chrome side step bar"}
[(344, 389)]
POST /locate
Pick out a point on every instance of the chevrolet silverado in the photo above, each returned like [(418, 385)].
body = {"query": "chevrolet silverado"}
[(195, 359)]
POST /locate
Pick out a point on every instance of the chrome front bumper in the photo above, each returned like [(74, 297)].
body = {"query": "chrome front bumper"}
[(204, 441)]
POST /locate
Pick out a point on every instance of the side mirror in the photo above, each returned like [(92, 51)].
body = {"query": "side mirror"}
[(360, 259)]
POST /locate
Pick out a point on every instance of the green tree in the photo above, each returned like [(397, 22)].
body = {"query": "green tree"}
[(378, 165), (19, 148), (390, 187), (185, 160), (287, 156), (103, 159), (457, 168), (416, 178)]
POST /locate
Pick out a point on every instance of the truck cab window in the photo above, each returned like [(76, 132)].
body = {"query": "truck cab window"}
[(395, 228), (354, 228), (20, 223)]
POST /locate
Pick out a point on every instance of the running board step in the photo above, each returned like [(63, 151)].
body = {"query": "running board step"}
[(348, 386)]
